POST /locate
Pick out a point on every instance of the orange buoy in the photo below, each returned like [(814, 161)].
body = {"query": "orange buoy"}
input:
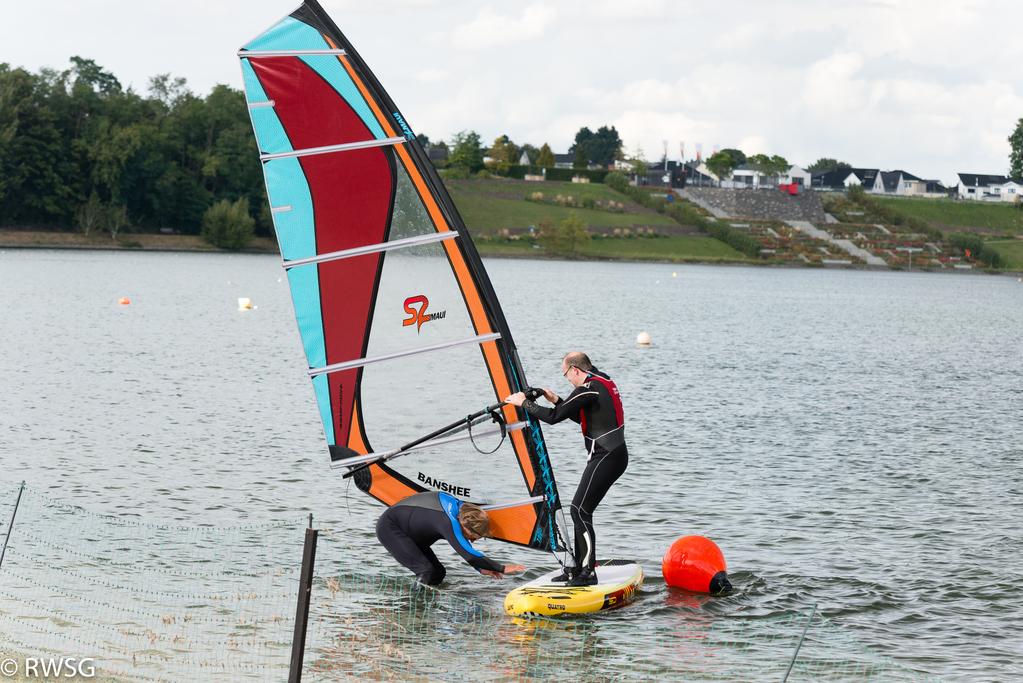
[(123, 301), (696, 564)]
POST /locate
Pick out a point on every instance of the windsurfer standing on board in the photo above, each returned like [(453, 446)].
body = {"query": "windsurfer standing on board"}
[(596, 405), (409, 527)]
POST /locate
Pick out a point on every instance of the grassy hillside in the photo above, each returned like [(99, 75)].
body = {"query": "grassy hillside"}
[(675, 249), (598, 191), (1011, 253), (990, 216), (492, 205), (485, 213)]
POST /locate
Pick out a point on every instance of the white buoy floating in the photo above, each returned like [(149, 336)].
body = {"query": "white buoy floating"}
[(643, 339), (243, 304), (674, 274)]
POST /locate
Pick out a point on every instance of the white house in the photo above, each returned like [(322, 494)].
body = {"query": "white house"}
[(908, 185), (990, 188), (795, 175), (868, 178), (753, 178), (1010, 190)]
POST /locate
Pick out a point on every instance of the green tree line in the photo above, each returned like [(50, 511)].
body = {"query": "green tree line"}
[(75, 142), (466, 153)]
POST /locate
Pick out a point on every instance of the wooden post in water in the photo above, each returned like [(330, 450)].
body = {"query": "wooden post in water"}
[(305, 588), (799, 644), (11, 525)]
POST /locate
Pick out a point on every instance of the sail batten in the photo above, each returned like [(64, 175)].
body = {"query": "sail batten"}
[(288, 53), (514, 504), (360, 362), (401, 327), (330, 149), (372, 249)]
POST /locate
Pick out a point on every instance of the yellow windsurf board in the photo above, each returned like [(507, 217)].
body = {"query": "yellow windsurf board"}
[(617, 583)]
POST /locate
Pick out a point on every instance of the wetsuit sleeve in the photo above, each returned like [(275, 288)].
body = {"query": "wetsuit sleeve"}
[(474, 557), (583, 396)]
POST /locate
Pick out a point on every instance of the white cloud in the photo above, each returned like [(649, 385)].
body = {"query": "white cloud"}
[(830, 87), (490, 29), (629, 9), (431, 76), (336, 6), (753, 145)]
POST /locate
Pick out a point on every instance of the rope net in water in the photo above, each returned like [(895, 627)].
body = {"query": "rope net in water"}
[(148, 602), (370, 623), (165, 603)]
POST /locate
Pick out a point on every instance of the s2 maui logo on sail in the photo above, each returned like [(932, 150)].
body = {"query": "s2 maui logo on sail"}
[(409, 135), (419, 316)]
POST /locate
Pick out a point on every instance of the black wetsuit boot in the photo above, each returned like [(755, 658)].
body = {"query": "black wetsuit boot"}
[(565, 576), (586, 577)]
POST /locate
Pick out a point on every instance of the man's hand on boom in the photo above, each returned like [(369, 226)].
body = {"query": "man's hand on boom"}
[(517, 399)]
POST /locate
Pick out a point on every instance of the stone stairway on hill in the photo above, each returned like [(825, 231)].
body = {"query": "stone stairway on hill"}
[(761, 205), (846, 245)]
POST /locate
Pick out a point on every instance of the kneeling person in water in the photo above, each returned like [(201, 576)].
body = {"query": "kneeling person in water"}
[(596, 406), (409, 527)]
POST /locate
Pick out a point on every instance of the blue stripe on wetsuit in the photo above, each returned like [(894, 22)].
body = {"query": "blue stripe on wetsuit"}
[(451, 505)]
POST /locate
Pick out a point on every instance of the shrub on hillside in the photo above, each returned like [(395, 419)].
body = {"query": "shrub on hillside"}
[(924, 228), (736, 239), (974, 247), (228, 226), (617, 181), (684, 214)]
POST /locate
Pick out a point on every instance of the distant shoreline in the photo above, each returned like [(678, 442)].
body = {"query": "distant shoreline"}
[(23, 239), (33, 239), (754, 264)]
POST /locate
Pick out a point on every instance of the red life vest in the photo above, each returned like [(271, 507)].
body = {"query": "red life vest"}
[(615, 399)]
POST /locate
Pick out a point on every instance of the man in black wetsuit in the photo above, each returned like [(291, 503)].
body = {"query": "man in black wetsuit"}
[(596, 405), (409, 527)]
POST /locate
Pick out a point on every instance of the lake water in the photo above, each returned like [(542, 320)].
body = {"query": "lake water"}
[(850, 440)]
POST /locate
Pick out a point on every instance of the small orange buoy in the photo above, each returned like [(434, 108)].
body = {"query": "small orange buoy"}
[(123, 301), (696, 564)]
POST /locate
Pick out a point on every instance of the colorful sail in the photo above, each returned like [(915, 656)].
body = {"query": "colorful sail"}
[(400, 323)]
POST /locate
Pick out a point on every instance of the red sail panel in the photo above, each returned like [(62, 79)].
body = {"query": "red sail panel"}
[(351, 193)]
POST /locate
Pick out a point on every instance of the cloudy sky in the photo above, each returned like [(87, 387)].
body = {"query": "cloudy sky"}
[(932, 87)]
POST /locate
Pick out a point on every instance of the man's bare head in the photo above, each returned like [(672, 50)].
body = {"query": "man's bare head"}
[(576, 359)]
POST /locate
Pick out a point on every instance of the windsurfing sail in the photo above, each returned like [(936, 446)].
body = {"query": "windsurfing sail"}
[(401, 326)]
